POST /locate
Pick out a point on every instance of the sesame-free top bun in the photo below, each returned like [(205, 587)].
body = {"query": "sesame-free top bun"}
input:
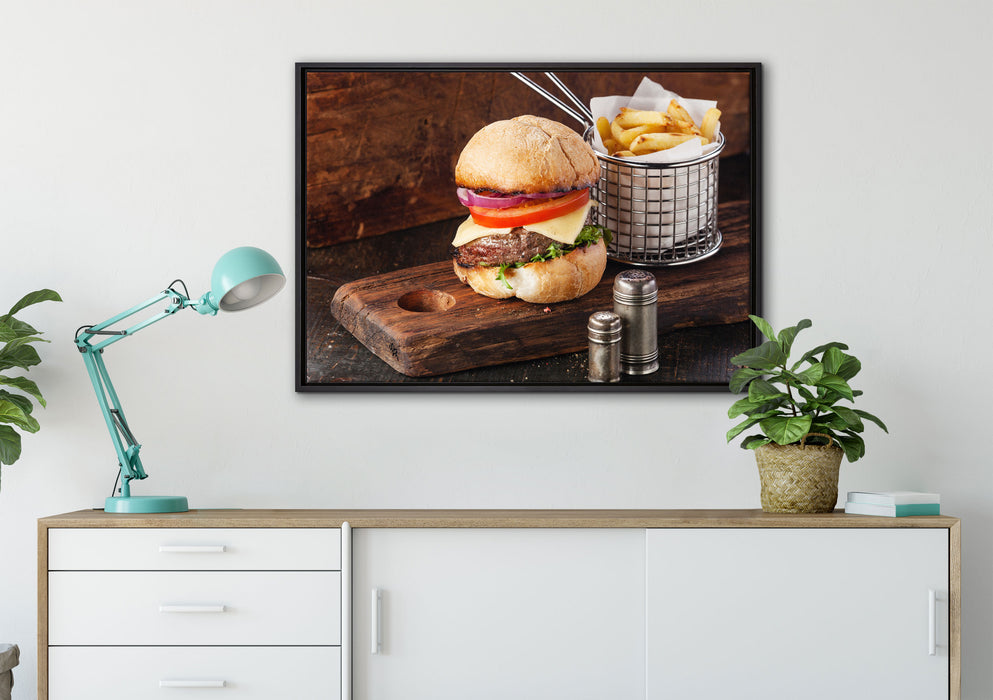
[(548, 282), (526, 154)]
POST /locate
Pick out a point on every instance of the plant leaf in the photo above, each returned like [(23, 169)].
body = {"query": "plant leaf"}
[(869, 417), (850, 418), (788, 335), (23, 356), (853, 445), (753, 441), (834, 383), (10, 412), (764, 326), (761, 391), (766, 356), (812, 374), (25, 385), (744, 405), (747, 423), (810, 354), (786, 429), (740, 377), (22, 402), (34, 298), (10, 445)]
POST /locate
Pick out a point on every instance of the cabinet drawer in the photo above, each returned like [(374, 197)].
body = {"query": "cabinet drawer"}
[(247, 673), (194, 607), (123, 549)]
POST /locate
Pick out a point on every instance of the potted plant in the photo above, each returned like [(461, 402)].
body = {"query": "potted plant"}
[(802, 411), (16, 352)]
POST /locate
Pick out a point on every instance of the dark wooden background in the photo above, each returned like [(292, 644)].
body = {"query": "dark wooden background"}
[(381, 147), (378, 160)]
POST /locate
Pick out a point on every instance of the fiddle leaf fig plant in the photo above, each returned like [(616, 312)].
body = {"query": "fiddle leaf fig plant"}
[(16, 352), (803, 400)]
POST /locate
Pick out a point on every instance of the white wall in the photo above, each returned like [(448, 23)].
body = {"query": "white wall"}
[(139, 141)]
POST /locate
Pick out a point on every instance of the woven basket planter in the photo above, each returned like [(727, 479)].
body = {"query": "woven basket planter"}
[(799, 478)]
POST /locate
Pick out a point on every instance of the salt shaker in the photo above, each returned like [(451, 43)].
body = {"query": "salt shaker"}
[(636, 303), (604, 331)]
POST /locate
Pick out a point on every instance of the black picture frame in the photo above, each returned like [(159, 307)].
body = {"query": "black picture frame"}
[(330, 96)]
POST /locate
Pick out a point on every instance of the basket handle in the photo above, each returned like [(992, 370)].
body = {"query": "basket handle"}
[(803, 440)]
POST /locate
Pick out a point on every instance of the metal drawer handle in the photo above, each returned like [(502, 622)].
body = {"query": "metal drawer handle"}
[(192, 548), (191, 684), (377, 621), (191, 608), (932, 621)]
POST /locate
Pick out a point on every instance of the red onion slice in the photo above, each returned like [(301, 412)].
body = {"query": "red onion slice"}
[(500, 201)]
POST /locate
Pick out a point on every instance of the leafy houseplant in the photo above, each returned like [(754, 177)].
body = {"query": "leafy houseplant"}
[(16, 352), (799, 406)]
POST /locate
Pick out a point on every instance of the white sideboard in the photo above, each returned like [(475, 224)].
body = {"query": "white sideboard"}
[(383, 605)]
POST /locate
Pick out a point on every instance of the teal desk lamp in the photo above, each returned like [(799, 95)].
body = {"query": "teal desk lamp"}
[(242, 278)]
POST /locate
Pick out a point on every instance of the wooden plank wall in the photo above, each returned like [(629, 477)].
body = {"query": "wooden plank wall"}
[(381, 147)]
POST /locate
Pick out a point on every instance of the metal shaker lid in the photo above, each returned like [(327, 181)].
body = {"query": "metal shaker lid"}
[(604, 325), (635, 286)]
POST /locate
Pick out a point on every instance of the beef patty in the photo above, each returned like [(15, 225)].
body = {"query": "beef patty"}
[(519, 245)]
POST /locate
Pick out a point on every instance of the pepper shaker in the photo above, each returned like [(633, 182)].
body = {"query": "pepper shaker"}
[(604, 332), (636, 303)]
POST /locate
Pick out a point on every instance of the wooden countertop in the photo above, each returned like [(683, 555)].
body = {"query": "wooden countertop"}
[(443, 518)]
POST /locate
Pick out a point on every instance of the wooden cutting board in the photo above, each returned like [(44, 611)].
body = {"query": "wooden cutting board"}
[(422, 321)]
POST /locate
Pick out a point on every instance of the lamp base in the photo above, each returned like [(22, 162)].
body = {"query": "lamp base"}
[(146, 504)]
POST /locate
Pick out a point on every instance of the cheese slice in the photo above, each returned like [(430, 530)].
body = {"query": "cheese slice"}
[(563, 229)]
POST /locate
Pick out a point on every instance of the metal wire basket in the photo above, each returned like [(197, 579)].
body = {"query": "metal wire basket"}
[(660, 213)]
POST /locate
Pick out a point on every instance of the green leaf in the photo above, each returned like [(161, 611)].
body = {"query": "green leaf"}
[(10, 412), (740, 377), (869, 417), (850, 418), (10, 445), (764, 326), (11, 328), (744, 405), (25, 385), (23, 356), (748, 423), (785, 430), (844, 365), (812, 374), (34, 298), (761, 391), (853, 445), (766, 356), (788, 335), (22, 402), (810, 354), (753, 441), (833, 382)]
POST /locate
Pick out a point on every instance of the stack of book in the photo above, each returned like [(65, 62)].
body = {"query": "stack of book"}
[(893, 504)]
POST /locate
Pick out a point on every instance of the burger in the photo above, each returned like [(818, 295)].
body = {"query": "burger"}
[(526, 182)]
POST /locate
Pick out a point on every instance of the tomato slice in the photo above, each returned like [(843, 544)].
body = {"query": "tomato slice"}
[(530, 212)]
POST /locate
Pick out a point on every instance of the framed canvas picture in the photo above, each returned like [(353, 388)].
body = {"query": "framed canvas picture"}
[(379, 303)]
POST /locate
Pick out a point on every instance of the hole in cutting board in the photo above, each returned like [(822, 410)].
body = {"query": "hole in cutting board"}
[(426, 300)]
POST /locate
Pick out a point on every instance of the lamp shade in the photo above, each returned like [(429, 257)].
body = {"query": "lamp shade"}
[(244, 277)]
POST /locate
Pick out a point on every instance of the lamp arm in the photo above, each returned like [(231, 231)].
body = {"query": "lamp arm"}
[(125, 444)]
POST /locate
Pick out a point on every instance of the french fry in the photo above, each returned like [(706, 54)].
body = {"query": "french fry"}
[(649, 143), (603, 127), (679, 126), (630, 118), (628, 135), (708, 125), (616, 130), (678, 112), (635, 132)]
